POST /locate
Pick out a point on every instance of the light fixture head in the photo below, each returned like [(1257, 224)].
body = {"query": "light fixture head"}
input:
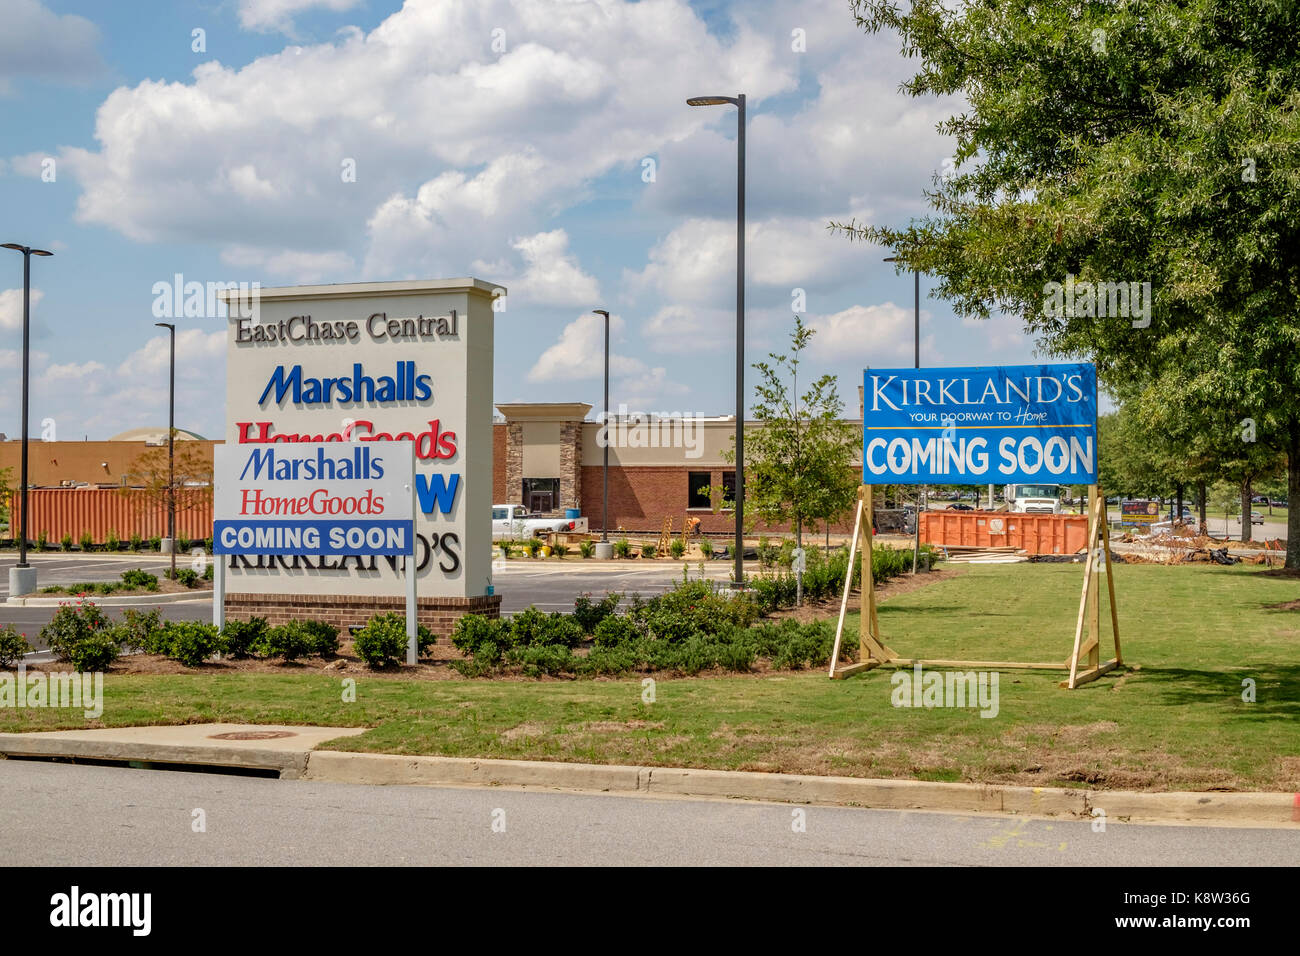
[(710, 100), (41, 252), (165, 325), (13, 245), (600, 312)]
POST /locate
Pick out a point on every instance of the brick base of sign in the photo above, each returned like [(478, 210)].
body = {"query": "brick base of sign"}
[(438, 614)]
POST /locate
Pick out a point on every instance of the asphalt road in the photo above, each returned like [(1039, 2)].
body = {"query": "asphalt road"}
[(145, 818), (550, 587)]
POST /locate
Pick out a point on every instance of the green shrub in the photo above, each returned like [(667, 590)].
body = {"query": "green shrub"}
[(484, 638), (323, 637), (647, 550), (589, 613), (136, 543), (532, 546), (622, 548), (207, 545), (138, 629), (155, 543), (190, 642), (677, 547), (12, 645), (94, 652), (288, 641), (785, 554), (507, 548), (541, 660), (615, 631), (207, 570), (41, 540), (586, 548), (186, 576), (767, 552), (66, 543), (382, 641), (111, 543), (87, 541), (73, 624), (706, 547), (243, 637), (181, 544), (560, 550), (139, 579), (534, 628)]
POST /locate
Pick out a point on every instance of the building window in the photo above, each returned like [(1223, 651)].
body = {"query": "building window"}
[(695, 497), (729, 488), (541, 494)]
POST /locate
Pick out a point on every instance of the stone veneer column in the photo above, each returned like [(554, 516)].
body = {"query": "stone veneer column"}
[(514, 464), (571, 465)]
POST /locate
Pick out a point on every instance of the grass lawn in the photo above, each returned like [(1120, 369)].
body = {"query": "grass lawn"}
[(1176, 722)]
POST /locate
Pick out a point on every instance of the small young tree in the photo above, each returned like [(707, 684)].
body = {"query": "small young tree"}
[(192, 480), (6, 493), (799, 464)]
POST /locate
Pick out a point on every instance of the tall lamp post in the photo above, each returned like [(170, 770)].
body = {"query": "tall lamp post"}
[(22, 579), (171, 447), (737, 101), (916, 352), (605, 550)]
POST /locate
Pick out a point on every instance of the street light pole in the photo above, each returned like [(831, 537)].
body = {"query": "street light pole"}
[(737, 101), (171, 446), (604, 550), (22, 579)]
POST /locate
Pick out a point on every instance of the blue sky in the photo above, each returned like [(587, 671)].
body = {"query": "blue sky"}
[(511, 140)]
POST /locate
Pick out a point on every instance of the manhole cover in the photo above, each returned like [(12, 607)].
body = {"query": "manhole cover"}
[(253, 735)]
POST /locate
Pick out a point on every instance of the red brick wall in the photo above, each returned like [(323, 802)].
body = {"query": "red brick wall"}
[(498, 463), (437, 614), (641, 497)]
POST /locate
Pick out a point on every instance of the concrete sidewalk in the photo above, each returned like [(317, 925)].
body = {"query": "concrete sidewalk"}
[(276, 747), (291, 751)]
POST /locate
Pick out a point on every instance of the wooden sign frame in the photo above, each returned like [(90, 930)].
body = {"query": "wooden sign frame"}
[(1084, 662)]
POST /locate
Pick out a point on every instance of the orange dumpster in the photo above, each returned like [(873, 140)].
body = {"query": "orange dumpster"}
[(1031, 533)]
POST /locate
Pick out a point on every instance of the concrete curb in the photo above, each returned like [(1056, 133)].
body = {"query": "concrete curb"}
[(1223, 809), (289, 764), (129, 600)]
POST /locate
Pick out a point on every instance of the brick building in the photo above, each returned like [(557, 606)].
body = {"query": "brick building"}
[(548, 457)]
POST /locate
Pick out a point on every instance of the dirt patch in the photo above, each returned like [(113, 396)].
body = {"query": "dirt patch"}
[(1285, 606), (526, 730), (615, 726)]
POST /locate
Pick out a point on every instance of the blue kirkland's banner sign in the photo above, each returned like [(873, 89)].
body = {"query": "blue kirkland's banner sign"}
[(314, 499), (1001, 424)]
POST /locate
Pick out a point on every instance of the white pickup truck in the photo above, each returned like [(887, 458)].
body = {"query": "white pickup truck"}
[(512, 521)]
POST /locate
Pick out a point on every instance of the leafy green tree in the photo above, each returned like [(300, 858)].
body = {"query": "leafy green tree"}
[(799, 465), (1154, 142)]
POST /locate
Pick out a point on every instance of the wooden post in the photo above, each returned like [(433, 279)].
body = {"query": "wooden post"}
[(848, 586), (868, 623), (1110, 585), (1095, 521)]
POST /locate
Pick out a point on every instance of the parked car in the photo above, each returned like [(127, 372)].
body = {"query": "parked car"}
[(1255, 518), (959, 506)]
